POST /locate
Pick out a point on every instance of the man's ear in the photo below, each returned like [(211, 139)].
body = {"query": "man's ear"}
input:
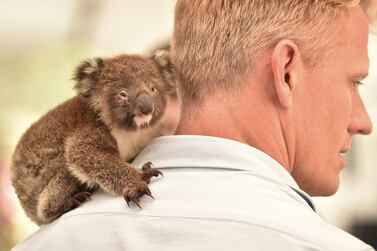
[(285, 62)]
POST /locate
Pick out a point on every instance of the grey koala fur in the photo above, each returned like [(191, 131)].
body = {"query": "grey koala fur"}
[(86, 142)]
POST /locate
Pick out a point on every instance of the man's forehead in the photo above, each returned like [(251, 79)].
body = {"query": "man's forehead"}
[(355, 31)]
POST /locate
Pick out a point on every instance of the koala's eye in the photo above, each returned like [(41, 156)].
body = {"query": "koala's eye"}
[(123, 94), (153, 89)]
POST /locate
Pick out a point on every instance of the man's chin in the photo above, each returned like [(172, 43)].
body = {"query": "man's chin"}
[(327, 189)]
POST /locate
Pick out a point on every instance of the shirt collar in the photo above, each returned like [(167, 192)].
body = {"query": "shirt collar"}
[(197, 151)]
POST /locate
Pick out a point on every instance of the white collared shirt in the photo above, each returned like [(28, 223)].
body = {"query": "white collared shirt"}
[(216, 194)]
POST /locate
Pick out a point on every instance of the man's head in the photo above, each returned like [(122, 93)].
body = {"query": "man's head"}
[(216, 42), (323, 106), (284, 74)]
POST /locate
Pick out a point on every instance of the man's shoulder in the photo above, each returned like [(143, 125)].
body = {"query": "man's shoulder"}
[(105, 223)]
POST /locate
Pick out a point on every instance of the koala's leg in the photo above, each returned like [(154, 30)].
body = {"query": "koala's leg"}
[(62, 194), (93, 157)]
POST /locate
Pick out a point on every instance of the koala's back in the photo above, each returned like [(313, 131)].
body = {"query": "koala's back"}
[(39, 155)]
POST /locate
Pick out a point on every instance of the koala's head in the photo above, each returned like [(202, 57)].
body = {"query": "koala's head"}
[(126, 91)]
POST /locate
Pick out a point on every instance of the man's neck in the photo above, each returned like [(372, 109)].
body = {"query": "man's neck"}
[(215, 124), (220, 119)]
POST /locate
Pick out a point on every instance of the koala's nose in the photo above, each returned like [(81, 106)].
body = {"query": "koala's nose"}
[(144, 104), (146, 109)]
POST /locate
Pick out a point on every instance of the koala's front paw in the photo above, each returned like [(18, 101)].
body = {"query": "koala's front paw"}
[(133, 193)]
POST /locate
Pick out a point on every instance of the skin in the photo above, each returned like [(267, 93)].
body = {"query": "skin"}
[(302, 117)]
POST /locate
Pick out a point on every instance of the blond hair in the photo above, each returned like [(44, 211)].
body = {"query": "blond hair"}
[(216, 41)]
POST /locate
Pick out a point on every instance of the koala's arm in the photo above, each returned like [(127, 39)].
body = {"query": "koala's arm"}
[(93, 158)]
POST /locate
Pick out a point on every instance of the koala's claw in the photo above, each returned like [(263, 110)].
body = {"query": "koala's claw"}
[(78, 198), (135, 200), (148, 192), (149, 172), (134, 195)]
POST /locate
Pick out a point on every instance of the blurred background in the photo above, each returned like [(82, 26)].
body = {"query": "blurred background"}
[(42, 42)]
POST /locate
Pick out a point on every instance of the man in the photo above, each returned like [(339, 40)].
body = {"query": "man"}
[(270, 102)]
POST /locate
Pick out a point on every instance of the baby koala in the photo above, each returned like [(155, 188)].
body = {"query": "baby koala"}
[(87, 142)]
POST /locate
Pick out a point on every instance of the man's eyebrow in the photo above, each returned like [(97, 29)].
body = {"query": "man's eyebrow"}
[(360, 75)]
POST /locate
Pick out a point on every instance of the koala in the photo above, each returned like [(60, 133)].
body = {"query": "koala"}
[(87, 142)]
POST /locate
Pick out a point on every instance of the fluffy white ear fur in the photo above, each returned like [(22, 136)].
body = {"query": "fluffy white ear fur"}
[(162, 59), (85, 74)]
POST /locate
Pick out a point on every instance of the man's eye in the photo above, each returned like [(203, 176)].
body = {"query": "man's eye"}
[(356, 83)]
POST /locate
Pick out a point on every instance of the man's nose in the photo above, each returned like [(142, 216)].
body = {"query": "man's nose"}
[(360, 121)]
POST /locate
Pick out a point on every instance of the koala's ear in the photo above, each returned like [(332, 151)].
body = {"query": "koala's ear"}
[(86, 75), (162, 58), (168, 72)]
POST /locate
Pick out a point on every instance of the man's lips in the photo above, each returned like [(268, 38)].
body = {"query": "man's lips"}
[(344, 150)]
